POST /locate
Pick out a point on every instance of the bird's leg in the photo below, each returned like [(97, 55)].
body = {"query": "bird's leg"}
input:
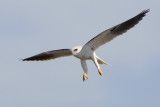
[(100, 72), (84, 66), (96, 63), (85, 76)]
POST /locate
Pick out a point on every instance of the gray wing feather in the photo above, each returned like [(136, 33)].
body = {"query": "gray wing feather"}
[(115, 31), (49, 55)]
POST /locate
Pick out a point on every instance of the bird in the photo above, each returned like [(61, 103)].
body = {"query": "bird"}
[(87, 51)]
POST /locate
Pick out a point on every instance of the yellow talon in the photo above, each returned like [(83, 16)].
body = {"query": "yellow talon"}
[(100, 72), (85, 76)]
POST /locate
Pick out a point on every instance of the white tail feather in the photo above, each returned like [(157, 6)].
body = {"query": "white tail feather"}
[(100, 61)]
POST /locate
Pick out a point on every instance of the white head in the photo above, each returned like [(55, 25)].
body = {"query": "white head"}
[(76, 50)]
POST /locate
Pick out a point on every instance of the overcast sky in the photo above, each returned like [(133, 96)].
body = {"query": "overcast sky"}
[(29, 27)]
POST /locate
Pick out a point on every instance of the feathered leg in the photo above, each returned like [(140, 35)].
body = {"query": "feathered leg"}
[(84, 66), (96, 63)]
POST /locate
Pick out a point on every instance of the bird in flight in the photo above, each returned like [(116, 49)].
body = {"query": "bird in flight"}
[(87, 51)]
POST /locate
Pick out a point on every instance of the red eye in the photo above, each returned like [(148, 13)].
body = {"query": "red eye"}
[(75, 50)]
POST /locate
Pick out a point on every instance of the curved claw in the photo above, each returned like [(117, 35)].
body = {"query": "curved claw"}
[(85, 76)]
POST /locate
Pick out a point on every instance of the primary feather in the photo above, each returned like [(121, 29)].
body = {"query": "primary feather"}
[(115, 31), (49, 55)]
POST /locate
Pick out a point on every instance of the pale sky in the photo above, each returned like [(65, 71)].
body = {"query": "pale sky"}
[(29, 27)]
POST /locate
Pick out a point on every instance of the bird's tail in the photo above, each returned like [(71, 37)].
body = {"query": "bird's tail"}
[(100, 61)]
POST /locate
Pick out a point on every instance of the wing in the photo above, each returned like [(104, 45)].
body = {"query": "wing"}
[(49, 55), (115, 31)]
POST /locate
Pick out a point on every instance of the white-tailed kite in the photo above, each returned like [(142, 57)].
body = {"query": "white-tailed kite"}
[(87, 51)]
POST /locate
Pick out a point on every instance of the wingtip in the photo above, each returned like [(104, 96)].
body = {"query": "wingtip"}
[(143, 13), (26, 59), (146, 11), (23, 59)]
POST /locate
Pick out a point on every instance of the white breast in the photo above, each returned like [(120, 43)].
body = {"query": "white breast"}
[(85, 53)]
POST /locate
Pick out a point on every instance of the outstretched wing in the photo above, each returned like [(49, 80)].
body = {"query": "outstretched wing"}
[(49, 55), (115, 31)]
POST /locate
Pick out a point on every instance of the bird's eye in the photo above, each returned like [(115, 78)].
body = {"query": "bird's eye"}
[(75, 50)]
